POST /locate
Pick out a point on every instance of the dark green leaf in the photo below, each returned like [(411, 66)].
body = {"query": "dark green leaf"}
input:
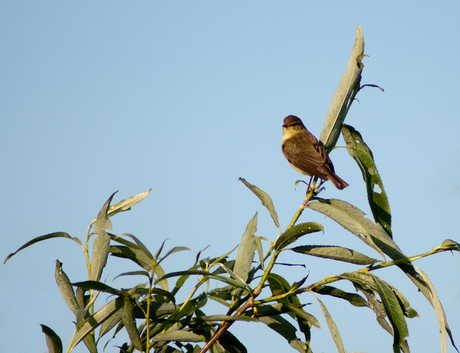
[(378, 200), (127, 317), (294, 233), (285, 329), (336, 253), (394, 313), (352, 298), (99, 286), (53, 341), (266, 201), (41, 238), (231, 343)]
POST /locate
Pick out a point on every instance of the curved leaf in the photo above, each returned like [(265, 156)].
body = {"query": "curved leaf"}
[(126, 204), (294, 233), (41, 238), (265, 199), (440, 314), (394, 313), (378, 200), (66, 288), (53, 341)]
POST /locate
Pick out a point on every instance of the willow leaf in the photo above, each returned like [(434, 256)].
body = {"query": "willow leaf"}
[(265, 199), (377, 197), (343, 96)]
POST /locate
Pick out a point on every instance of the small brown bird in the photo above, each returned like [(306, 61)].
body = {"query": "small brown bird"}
[(305, 154)]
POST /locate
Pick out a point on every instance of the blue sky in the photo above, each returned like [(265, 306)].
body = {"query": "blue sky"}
[(185, 98)]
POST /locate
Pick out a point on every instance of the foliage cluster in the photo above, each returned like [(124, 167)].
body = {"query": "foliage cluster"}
[(156, 320)]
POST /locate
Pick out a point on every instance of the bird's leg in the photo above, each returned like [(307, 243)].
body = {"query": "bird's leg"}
[(309, 184)]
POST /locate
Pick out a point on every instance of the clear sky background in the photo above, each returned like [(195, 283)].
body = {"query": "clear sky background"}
[(185, 97)]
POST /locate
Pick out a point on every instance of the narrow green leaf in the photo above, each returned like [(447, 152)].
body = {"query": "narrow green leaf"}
[(378, 200), (134, 254), (242, 282), (270, 315), (174, 250), (265, 199), (140, 245), (126, 204), (99, 286), (281, 326), (335, 253), (260, 250), (92, 322), (127, 317), (279, 286), (341, 102), (294, 233), (202, 273), (214, 318), (440, 314), (352, 298), (394, 313), (365, 284), (180, 336), (66, 288), (101, 244), (332, 327), (41, 238), (53, 341), (246, 250), (231, 344)]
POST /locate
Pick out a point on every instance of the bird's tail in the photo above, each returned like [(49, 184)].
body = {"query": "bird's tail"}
[(337, 181)]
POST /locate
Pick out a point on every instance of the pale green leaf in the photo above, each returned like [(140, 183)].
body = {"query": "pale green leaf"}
[(343, 96), (101, 244), (440, 314), (335, 253), (180, 336), (246, 250), (332, 327), (126, 204)]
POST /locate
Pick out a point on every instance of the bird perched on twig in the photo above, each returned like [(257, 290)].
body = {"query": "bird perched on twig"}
[(306, 154)]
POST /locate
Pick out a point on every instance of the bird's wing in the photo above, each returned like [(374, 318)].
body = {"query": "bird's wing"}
[(302, 154)]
